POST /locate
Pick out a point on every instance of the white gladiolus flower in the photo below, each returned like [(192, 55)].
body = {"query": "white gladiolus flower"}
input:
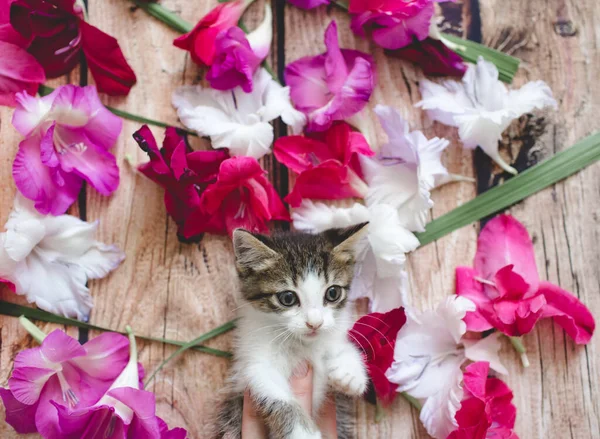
[(237, 120), (482, 107), (49, 259)]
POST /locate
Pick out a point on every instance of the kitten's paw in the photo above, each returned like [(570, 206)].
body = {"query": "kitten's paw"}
[(347, 374), (302, 433)]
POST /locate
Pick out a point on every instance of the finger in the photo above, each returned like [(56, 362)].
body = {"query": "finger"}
[(302, 385), (253, 426), (327, 420)]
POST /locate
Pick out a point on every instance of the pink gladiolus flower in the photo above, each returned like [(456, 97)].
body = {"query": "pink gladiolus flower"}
[(61, 371), (183, 173), (332, 86), (56, 33), (487, 411), (327, 163), (241, 197), (434, 58), (67, 137), (201, 41), (505, 286), (376, 335), (308, 4), (393, 23)]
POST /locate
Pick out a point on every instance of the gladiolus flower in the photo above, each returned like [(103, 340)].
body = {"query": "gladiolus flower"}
[(327, 163), (332, 86), (393, 23), (481, 106), (56, 33), (428, 357), (405, 170), (242, 197), (19, 72), (61, 371), (375, 334), (181, 172), (201, 41), (67, 137), (505, 286), (49, 259), (236, 120), (434, 58), (487, 411), (237, 58)]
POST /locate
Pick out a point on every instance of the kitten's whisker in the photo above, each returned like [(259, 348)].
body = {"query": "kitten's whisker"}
[(241, 306)]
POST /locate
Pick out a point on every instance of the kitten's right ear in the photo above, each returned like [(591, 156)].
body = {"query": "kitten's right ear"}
[(251, 252)]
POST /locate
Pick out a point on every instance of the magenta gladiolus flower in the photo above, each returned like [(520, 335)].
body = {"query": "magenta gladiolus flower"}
[(327, 164), (487, 411), (56, 33), (393, 24), (67, 137), (332, 86), (201, 41), (64, 372), (234, 63), (505, 286), (19, 71)]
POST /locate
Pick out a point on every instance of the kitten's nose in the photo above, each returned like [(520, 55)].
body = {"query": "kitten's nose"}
[(314, 326)]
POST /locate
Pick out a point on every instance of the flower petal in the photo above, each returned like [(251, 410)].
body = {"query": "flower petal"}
[(106, 61), (402, 34), (18, 415), (568, 312), (505, 241), (19, 71), (308, 4), (434, 58), (316, 217), (105, 356), (144, 423), (467, 286), (31, 111), (486, 349)]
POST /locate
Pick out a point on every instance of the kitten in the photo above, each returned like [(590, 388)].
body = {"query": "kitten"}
[(295, 289)]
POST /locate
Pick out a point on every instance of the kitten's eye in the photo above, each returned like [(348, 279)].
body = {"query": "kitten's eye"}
[(287, 298), (333, 293)]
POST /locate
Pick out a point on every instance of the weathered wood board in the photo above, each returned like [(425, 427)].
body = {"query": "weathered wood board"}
[(178, 291)]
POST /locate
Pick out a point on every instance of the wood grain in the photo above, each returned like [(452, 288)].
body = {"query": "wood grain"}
[(169, 289)]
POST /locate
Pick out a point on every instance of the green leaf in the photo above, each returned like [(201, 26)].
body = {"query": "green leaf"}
[(217, 331), (470, 51), (14, 310), (44, 90), (519, 187)]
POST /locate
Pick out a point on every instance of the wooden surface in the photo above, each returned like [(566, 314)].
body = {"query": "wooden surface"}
[(173, 290)]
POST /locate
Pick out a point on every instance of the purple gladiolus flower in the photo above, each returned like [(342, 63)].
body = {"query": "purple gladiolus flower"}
[(67, 137), (60, 371), (332, 86)]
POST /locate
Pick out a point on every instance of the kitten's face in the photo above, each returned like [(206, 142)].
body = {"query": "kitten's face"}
[(300, 281)]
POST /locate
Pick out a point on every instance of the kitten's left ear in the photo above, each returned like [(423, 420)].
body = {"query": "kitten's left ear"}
[(347, 242)]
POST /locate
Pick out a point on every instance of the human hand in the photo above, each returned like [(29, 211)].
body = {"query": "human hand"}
[(253, 426)]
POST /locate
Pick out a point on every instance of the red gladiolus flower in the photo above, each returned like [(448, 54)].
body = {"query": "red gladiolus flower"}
[(55, 33), (241, 197), (433, 56), (327, 163), (376, 335), (505, 286), (201, 41), (183, 173), (487, 411)]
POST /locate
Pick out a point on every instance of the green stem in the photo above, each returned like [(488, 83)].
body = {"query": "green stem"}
[(33, 330), (14, 310), (520, 348), (204, 337), (412, 401), (133, 353), (44, 90), (379, 412)]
